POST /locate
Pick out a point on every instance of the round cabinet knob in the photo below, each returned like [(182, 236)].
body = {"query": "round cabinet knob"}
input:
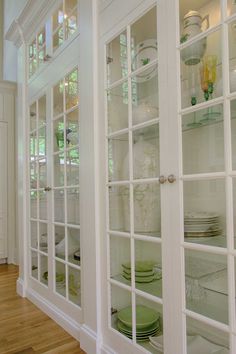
[(171, 178), (47, 189), (162, 179)]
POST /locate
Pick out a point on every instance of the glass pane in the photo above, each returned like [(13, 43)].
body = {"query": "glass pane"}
[(33, 234), (117, 106), (205, 212), (71, 89), (58, 98), (43, 205), (234, 209), (32, 49), (73, 206), (59, 164), (60, 278), (34, 264), (33, 146), (146, 152), (144, 40), (33, 175), (201, 70), (74, 285), (72, 167), (151, 329), (43, 237), (59, 238), (42, 110), (32, 67), (33, 115), (69, 6), (148, 273), (119, 211), (198, 17), (145, 96), (58, 129), (44, 269), (206, 284), (42, 146), (120, 300), (232, 55), (203, 141), (58, 18), (231, 8), (41, 37), (120, 259), (118, 158), (59, 205), (41, 55), (72, 128), (201, 335), (33, 205), (73, 239), (147, 209), (58, 38), (117, 66), (71, 24), (42, 173), (233, 132)]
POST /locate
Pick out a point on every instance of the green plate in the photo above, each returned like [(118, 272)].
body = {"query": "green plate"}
[(139, 332), (140, 266), (145, 316), (138, 274)]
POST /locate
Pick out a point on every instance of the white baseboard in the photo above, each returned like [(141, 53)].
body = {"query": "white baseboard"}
[(20, 287), (88, 340), (60, 317)]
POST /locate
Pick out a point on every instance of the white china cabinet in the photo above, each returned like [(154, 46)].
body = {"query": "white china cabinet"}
[(169, 105)]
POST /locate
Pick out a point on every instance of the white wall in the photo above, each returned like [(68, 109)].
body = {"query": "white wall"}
[(12, 9)]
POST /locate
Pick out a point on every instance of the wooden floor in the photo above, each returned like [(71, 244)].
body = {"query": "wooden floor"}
[(24, 329)]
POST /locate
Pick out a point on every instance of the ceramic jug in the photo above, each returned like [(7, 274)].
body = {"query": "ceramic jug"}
[(192, 26)]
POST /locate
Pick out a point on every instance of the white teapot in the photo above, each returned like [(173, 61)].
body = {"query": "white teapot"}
[(192, 24)]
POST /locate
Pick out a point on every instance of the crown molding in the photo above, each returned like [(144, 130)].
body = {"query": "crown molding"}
[(29, 21), (103, 4)]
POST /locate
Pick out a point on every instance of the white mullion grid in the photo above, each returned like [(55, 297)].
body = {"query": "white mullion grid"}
[(149, 297), (144, 68), (37, 161), (200, 318), (204, 176), (131, 188), (120, 285), (148, 123), (202, 105), (204, 248), (228, 185), (118, 234), (153, 239), (118, 133)]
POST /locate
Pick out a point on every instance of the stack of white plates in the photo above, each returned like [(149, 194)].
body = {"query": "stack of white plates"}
[(202, 224), (144, 271), (147, 322)]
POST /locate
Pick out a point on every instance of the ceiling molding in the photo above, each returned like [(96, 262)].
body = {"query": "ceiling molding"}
[(103, 4), (29, 20)]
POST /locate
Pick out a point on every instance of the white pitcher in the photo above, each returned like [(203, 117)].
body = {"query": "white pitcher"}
[(192, 24)]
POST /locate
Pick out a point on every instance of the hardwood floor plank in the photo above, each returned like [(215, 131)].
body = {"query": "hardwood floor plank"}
[(24, 328)]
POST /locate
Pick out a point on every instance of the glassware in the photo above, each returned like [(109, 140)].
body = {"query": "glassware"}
[(192, 88)]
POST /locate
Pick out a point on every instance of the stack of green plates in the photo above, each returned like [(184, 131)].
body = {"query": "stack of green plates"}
[(144, 272), (147, 322)]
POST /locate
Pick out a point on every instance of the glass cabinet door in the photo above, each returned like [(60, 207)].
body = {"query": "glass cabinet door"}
[(133, 184)]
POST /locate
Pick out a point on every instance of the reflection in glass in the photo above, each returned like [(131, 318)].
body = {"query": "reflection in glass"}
[(232, 54), (44, 269), (233, 132), (71, 89), (73, 239), (42, 141), (204, 212), (60, 278), (146, 152), (57, 18), (33, 175), (148, 273), (58, 129), (73, 206), (74, 285), (200, 335), (144, 42), (120, 299), (43, 237), (33, 115), (33, 205), (43, 205), (71, 24), (117, 106), (33, 146), (42, 110), (120, 259), (117, 66), (234, 209), (58, 98), (147, 209), (34, 264), (59, 239), (72, 128), (145, 95), (119, 210), (59, 205), (203, 143), (33, 234), (58, 38), (206, 284), (72, 167), (59, 164), (231, 7), (42, 173), (118, 158)]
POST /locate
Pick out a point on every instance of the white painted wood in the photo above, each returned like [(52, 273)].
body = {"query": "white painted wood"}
[(3, 191)]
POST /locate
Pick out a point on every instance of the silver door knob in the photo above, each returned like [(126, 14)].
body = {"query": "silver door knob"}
[(162, 179), (47, 189), (171, 178)]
